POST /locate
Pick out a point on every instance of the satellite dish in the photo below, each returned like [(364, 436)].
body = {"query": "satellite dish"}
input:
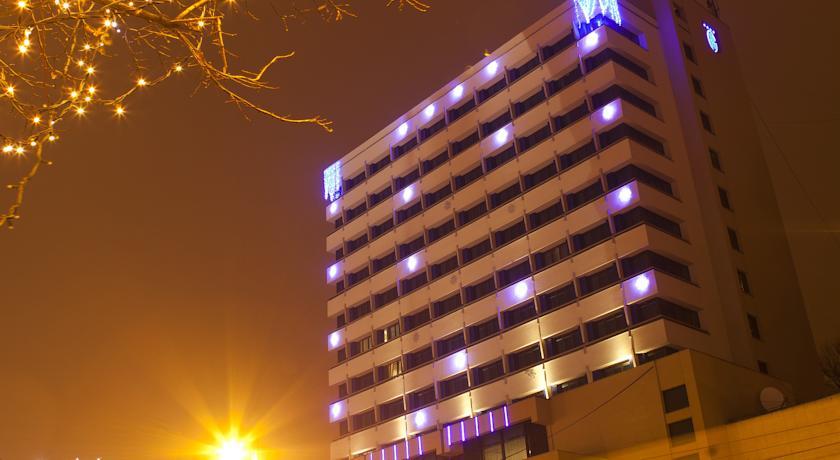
[(772, 399)]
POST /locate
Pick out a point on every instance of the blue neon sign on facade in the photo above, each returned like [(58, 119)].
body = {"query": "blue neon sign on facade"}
[(332, 182), (712, 38)]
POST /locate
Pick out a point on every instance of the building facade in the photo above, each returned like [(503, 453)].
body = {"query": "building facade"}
[(589, 198)]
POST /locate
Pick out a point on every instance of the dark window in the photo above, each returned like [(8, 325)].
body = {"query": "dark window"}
[(516, 316), (444, 267), (551, 256), (349, 184), (352, 245), (495, 124), (353, 213), (674, 399), (342, 355), (509, 234), (527, 142), (361, 382), (416, 320), (339, 287), (689, 52), (421, 398), (377, 166), (493, 162), (339, 222), (479, 290), (724, 198), (581, 197), (483, 330), (474, 252), (648, 259), (611, 370), (492, 90), (517, 73), (462, 110), (541, 175), (387, 333), (558, 46), (409, 212), (753, 323), (762, 367), (488, 372), (383, 262), (714, 157), (598, 280), (364, 420), (413, 283), (624, 131), (450, 344), (629, 173), (468, 177), (570, 384), (515, 273), (453, 386), (698, 86), (591, 237), (568, 79), (707, 122), (418, 358), (744, 282), (733, 239), (540, 218), (431, 130), (436, 233), (563, 343), (384, 298), (361, 346), (523, 106), (609, 55), (465, 143), (343, 428), (391, 409), (358, 276), (681, 432), (567, 119), (557, 298), (389, 370), (358, 311), (432, 164), (524, 358), (451, 303), (618, 92), (339, 253), (606, 326), (473, 213), (342, 390), (404, 181), (340, 320), (377, 230), (640, 215), (657, 353), (503, 196), (379, 196), (567, 160), (656, 308), (439, 194), (411, 247), (405, 147)]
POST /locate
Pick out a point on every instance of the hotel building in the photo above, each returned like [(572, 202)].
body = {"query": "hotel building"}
[(572, 249)]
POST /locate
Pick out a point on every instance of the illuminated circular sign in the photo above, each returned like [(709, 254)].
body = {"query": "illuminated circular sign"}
[(712, 38)]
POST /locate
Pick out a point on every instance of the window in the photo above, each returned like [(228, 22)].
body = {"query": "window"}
[(714, 157), (414, 283), (431, 130), (744, 282), (675, 399), (451, 303), (515, 273), (540, 218), (388, 333), (353, 213), (447, 266), (610, 55), (349, 184), (340, 320), (378, 230), (384, 298), (523, 106), (629, 173), (698, 86), (568, 79), (418, 358), (471, 214), (527, 142), (433, 163), (391, 409), (453, 386), (352, 245), (541, 175), (379, 196), (364, 420), (570, 384), (361, 346), (518, 72), (339, 222), (724, 199), (389, 370), (560, 45), (358, 311), (342, 389), (762, 367), (495, 124), (640, 215), (406, 180), (356, 277), (479, 290), (753, 323), (606, 326), (503, 196), (361, 382), (339, 287), (658, 308), (468, 177), (643, 261), (689, 52), (625, 131), (611, 370), (733, 239), (681, 432), (657, 353), (565, 120), (488, 372), (416, 320), (342, 355), (409, 212), (503, 237), (436, 233), (492, 90), (581, 197), (377, 166), (343, 428), (576, 156), (707, 122), (474, 252), (421, 398), (483, 330), (406, 249), (591, 237), (462, 110), (563, 343), (619, 92), (524, 358), (450, 344), (557, 298), (405, 147), (465, 143), (551, 256), (518, 315), (493, 162), (385, 261)]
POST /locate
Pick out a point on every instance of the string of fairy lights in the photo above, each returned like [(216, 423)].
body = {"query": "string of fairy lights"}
[(56, 57)]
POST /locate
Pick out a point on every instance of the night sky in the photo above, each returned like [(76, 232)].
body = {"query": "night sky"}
[(167, 276)]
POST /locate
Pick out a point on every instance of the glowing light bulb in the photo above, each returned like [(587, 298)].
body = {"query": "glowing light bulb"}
[(90, 70), (234, 449), (625, 194), (609, 112), (332, 272), (501, 136), (80, 110), (403, 129), (591, 40), (458, 92), (36, 119), (119, 110), (179, 68), (492, 68), (459, 361), (335, 410), (641, 284), (333, 207), (429, 111), (420, 419), (335, 339), (520, 290), (412, 263), (10, 90), (141, 82), (408, 194)]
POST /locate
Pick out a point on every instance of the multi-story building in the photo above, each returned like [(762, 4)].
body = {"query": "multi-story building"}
[(586, 200)]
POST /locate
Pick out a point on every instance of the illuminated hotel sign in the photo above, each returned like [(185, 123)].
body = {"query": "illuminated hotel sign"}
[(712, 38), (591, 14), (332, 182)]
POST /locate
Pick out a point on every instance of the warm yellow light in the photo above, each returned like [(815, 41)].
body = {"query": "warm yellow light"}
[(234, 449), (141, 82), (120, 111), (80, 110), (86, 47), (10, 89), (21, 4), (200, 24), (90, 70), (91, 89), (74, 94), (179, 68), (36, 119)]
